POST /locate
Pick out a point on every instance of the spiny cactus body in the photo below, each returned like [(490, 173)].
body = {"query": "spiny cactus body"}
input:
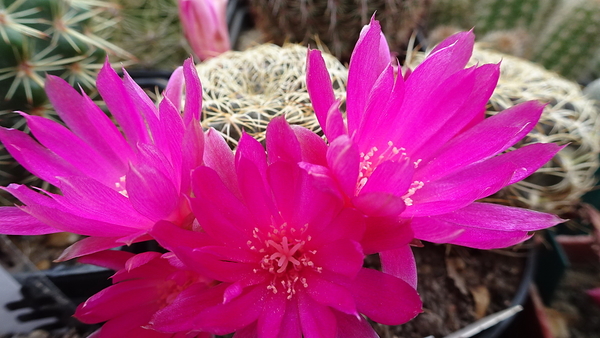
[(38, 37), (58, 37), (337, 24), (151, 31), (243, 91)]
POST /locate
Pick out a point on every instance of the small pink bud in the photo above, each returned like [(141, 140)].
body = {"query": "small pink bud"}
[(205, 26)]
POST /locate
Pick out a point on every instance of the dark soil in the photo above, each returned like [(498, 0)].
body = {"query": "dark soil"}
[(448, 299), (571, 302)]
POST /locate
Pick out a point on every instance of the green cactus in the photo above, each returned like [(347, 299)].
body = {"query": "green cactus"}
[(58, 37), (570, 44), (243, 91), (493, 15), (337, 24), (39, 37), (563, 36), (455, 13), (152, 32)]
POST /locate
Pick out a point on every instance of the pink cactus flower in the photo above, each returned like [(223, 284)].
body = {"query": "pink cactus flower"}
[(416, 148), (205, 26), (420, 148), (143, 284), (114, 185), (287, 254)]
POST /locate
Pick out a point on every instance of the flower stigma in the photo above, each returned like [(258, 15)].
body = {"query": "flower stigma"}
[(285, 256)]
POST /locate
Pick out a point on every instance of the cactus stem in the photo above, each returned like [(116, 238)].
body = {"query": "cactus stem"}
[(12, 20)]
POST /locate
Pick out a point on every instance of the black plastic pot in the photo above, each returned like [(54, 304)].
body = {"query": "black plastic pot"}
[(505, 328)]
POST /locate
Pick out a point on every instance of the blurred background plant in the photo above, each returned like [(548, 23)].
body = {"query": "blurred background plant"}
[(335, 25), (561, 35)]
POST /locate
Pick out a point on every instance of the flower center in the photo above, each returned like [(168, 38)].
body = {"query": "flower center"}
[(375, 156), (121, 186), (285, 257)]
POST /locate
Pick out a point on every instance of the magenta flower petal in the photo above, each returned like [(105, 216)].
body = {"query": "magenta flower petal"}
[(223, 214), (390, 177), (73, 223), (364, 72), (484, 225), (14, 221), (99, 202), (400, 263), (218, 319), (115, 96), (219, 157), (171, 236), (318, 84), (128, 295), (282, 144), (316, 320), (450, 56), (430, 114), (342, 257), (348, 224), (174, 89), (385, 233), (87, 121), (384, 298), (250, 149), (40, 161), (386, 98), (111, 259), (469, 114), (147, 283), (379, 204), (353, 327), (150, 192), (344, 161), (269, 324), (130, 326), (292, 328), (255, 194), (193, 92), (72, 149), (331, 294), (90, 245), (192, 146), (488, 138), (306, 207), (335, 122), (180, 315), (312, 147)]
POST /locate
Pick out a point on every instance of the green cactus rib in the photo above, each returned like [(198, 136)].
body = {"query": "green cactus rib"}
[(563, 36), (572, 40)]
